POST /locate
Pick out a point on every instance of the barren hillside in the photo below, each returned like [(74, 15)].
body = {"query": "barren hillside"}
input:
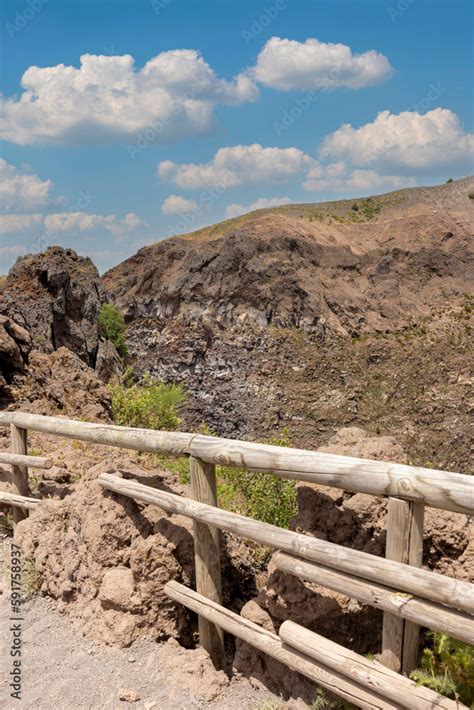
[(312, 317)]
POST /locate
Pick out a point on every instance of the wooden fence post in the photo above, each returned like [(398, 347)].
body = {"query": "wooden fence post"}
[(404, 544), (207, 558), (19, 473)]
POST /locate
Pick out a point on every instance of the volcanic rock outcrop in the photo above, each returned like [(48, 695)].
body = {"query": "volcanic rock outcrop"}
[(50, 341)]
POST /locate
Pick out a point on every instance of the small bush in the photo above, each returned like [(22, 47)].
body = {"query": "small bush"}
[(370, 208), (262, 496), (448, 668), (149, 404), (471, 195), (112, 327), (178, 465), (31, 578), (449, 180), (355, 207)]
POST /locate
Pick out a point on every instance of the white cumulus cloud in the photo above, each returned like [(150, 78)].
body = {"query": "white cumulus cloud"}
[(15, 250), (85, 222), (108, 99), (407, 140), (236, 165), (287, 64), (344, 180), (176, 204), (19, 222), (20, 191), (235, 210)]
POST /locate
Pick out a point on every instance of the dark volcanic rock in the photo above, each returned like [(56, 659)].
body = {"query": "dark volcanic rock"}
[(56, 297), (50, 301), (50, 304)]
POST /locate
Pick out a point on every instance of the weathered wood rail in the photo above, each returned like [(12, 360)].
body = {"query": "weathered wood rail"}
[(408, 595)]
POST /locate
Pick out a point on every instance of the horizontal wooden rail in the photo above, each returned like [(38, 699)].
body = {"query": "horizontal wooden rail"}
[(415, 609), (371, 674), (173, 443), (25, 460), (439, 489), (270, 644), (428, 585), (18, 501)]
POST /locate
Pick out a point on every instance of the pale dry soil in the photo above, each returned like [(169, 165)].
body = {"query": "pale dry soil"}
[(63, 670)]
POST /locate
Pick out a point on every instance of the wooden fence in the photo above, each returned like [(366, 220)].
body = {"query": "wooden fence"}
[(408, 595)]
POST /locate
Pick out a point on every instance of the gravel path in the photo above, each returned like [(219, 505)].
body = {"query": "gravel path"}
[(62, 670)]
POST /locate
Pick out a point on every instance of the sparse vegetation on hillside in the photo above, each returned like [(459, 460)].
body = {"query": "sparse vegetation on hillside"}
[(152, 404), (148, 403), (31, 578), (112, 327), (261, 496), (448, 668)]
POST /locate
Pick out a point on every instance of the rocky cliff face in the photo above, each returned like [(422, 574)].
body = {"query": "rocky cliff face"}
[(56, 297), (318, 270), (50, 303), (313, 317)]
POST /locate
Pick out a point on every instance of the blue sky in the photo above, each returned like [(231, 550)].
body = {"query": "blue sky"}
[(279, 101)]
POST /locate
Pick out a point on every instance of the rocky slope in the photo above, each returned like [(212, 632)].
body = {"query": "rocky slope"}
[(313, 317), (325, 270)]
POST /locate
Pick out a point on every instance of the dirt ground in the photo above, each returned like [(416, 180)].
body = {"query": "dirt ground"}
[(62, 670)]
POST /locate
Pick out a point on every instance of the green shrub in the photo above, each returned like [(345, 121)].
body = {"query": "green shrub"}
[(370, 208), (471, 195), (355, 207), (31, 578), (149, 404), (178, 465), (112, 327), (262, 496), (448, 668), (449, 180)]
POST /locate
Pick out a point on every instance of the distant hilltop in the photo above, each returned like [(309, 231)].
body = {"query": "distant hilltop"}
[(350, 266)]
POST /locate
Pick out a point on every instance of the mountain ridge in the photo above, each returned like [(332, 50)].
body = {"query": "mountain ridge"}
[(347, 270)]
